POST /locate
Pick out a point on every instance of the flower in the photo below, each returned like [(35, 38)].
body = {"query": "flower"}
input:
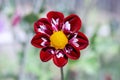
[(16, 18), (59, 38)]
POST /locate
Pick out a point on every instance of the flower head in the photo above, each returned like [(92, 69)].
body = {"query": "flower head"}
[(59, 38)]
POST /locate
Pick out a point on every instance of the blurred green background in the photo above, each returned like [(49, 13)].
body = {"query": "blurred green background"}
[(19, 60)]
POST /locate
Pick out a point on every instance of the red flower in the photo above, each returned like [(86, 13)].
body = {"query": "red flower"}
[(59, 38)]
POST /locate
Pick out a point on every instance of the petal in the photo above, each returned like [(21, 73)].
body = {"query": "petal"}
[(56, 19), (47, 53), (43, 26), (60, 59), (40, 40), (55, 15), (72, 52), (66, 27), (74, 21), (79, 40)]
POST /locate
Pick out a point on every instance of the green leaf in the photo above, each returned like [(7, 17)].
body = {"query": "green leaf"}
[(31, 18)]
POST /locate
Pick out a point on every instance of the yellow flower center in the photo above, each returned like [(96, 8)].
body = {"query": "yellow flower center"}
[(58, 40)]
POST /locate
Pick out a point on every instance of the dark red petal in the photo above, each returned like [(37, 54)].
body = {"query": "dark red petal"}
[(55, 15), (56, 19), (60, 59), (72, 52), (40, 40), (47, 53), (43, 26), (74, 21), (83, 40), (79, 40)]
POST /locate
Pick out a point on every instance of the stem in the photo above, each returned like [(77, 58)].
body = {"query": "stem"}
[(62, 74)]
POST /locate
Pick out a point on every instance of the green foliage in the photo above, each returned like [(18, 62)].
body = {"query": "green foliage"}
[(30, 18), (93, 38)]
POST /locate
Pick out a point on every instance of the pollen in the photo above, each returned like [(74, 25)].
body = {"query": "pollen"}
[(58, 40)]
